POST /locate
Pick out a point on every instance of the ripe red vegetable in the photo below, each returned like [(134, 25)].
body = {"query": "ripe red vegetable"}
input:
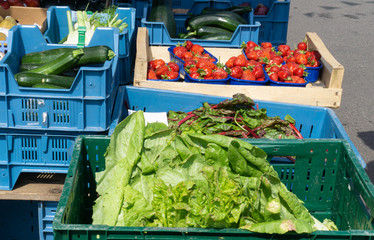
[(261, 9)]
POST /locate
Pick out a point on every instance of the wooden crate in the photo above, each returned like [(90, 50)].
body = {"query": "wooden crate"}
[(326, 92)]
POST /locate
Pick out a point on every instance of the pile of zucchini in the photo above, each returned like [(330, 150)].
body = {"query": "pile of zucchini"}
[(57, 68), (215, 24)]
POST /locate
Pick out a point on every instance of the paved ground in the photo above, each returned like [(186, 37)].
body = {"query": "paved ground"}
[(346, 28)]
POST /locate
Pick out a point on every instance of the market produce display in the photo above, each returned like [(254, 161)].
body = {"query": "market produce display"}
[(283, 64), (105, 18), (215, 24), (241, 68), (204, 69), (191, 51), (236, 118), (159, 70), (156, 178), (56, 68)]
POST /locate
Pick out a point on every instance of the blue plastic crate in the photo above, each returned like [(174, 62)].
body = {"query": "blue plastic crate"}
[(58, 28), (46, 214), (24, 219), (42, 151), (236, 81), (86, 106), (140, 6), (159, 35), (311, 121), (188, 78), (19, 220), (274, 25), (313, 73)]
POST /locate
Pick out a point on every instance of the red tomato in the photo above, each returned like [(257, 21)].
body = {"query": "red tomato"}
[(151, 74), (158, 63), (302, 46), (252, 55), (179, 51), (236, 72), (197, 49), (283, 75), (188, 45), (266, 45), (205, 71), (301, 59), (188, 63), (230, 62), (219, 73), (240, 61), (170, 75), (162, 70), (195, 75), (258, 72), (248, 75), (274, 77), (187, 55), (251, 44), (284, 49), (298, 72), (173, 66)]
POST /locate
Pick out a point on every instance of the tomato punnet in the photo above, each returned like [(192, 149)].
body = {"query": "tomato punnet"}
[(158, 69)]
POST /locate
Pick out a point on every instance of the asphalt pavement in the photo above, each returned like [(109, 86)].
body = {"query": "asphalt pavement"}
[(346, 28)]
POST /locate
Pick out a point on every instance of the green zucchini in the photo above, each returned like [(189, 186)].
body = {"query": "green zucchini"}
[(61, 64), (28, 66), (29, 79), (46, 85), (92, 55), (236, 9), (213, 19), (95, 55), (206, 30), (233, 16), (162, 12), (44, 56), (218, 36)]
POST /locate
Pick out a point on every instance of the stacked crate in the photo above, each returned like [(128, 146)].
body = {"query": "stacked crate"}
[(38, 126)]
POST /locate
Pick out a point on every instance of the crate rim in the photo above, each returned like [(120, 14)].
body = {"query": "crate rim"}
[(58, 226)]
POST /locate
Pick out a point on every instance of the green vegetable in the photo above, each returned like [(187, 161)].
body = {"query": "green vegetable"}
[(28, 66), (236, 118), (162, 12), (45, 56), (217, 36), (61, 64), (156, 178), (236, 9), (91, 23), (95, 55), (213, 19), (91, 55), (206, 30), (233, 16), (47, 85), (29, 79)]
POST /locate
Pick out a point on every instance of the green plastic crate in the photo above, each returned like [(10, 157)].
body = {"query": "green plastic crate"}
[(326, 176)]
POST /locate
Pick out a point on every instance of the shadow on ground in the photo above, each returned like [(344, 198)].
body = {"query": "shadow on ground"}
[(370, 170), (367, 138)]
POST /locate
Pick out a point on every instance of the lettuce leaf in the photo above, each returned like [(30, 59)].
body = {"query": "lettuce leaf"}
[(155, 177)]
